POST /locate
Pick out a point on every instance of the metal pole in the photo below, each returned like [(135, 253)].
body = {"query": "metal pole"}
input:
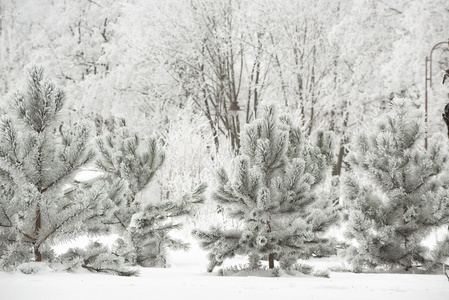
[(429, 78), (430, 60), (425, 106)]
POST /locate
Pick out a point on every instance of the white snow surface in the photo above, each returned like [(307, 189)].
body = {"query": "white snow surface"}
[(187, 279)]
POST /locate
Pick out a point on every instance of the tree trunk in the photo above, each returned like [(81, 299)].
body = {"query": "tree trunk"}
[(37, 252), (271, 261), (341, 154), (337, 168)]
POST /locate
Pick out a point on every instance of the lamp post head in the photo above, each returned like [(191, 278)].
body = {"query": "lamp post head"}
[(234, 107), (446, 117), (446, 75)]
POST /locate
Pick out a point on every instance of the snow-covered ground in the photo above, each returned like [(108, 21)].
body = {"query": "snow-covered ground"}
[(187, 279)]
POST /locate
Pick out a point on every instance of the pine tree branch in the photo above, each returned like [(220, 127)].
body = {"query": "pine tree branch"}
[(119, 221), (72, 167), (110, 271), (276, 157), (7, 218), (422, 183), (20, 231), (26, 235), (55, 229)]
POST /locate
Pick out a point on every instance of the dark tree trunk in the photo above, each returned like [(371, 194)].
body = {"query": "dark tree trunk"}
[(271, 261), (37, 252)]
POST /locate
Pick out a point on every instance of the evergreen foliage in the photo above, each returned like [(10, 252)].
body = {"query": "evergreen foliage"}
[(396, 192), (144, 226), (130, 157), (96, 258), (272, 191), (38, 158)]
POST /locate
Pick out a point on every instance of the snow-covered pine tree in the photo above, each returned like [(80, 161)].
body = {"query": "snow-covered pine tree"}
[(272, 191), (144, 226), (395, 192), (37, 159)]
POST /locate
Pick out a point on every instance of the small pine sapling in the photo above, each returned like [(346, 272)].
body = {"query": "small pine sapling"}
[(36, 162), (396, 192), (272, 191), (144, 226)]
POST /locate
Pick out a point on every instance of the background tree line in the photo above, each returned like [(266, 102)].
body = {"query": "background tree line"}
[(332, 64)]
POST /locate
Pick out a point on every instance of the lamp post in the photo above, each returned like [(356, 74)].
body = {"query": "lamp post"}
[(428, 74)]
